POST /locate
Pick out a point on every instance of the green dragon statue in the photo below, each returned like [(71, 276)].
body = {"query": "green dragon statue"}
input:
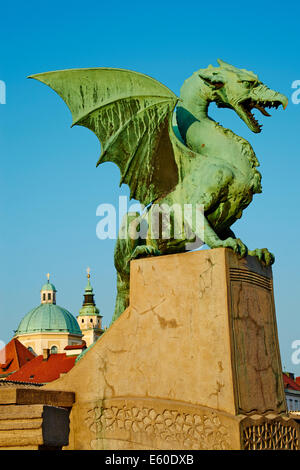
[(197, 163)]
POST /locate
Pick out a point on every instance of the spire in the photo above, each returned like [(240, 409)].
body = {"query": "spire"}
[(89, 305), (88, 293), (89, 289)]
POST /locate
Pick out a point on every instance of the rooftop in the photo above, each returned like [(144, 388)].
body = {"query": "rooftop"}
[(13, 356), (40, 370), (48, 318), (289, 382)]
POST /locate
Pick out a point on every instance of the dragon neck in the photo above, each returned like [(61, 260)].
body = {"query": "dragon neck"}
[(195, 102)]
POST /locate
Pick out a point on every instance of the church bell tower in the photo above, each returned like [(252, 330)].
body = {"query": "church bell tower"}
[(89, 318)]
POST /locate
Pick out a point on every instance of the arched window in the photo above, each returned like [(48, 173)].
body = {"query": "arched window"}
[(53, 350), (44, 296), (91, 320)]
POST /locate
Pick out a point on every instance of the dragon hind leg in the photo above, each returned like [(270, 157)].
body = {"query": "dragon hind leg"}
[(128, 247), (124, 248)]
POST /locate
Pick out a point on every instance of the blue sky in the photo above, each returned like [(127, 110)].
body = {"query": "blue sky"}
[(50, 187)]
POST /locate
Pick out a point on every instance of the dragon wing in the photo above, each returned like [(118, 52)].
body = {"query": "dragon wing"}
[(131, 115)]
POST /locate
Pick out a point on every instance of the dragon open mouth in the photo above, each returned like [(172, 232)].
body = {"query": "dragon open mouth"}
[(249, 104)]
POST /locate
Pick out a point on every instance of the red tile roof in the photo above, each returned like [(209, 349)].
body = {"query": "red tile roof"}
[(290, 383), (44, 371), (13, 356)]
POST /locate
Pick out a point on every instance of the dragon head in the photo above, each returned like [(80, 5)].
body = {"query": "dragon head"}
[(240, 90)]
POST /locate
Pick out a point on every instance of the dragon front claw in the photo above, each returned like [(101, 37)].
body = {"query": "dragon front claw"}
[(237, 245), (264, 256), (234, 243), (143, 251)]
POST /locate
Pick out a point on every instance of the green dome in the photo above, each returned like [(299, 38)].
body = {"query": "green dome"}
[(48, 286), (48, 318)]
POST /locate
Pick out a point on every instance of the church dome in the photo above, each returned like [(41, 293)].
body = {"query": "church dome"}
[(48, 317)]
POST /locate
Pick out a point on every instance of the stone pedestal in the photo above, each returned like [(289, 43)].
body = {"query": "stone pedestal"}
[(33, 419), (193, 363)]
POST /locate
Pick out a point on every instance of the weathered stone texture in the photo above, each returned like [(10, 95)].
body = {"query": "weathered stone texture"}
[(193, 355)]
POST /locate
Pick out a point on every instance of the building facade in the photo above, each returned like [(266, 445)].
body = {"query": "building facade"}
[(292, 391)]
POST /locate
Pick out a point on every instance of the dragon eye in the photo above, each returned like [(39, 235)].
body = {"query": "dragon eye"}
[(247, 83)]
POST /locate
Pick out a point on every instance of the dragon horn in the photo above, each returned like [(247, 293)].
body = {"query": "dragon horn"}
[(225, 64)]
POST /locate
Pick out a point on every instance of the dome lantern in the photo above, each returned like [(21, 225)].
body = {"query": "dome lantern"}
[(48, 292)]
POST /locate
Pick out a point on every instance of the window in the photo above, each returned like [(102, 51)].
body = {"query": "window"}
[(44, 296), (91, 320), (82, 321), (31, 350), (53, 350), (49, 296)]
